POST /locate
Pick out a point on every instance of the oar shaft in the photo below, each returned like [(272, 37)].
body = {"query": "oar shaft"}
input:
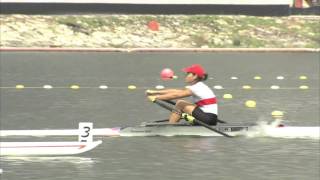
[(166, 106)]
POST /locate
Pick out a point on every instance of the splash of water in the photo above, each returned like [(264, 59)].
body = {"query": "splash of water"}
[(276, 129)]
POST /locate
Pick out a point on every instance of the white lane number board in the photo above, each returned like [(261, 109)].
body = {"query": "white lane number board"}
[(85, 131)]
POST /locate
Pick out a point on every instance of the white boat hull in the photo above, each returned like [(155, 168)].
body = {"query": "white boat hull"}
[(46, 148), (181, 130)]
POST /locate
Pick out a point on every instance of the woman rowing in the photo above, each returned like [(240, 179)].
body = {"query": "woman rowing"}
[(204, 103)]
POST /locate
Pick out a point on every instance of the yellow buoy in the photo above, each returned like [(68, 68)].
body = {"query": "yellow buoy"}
[(257, 77), (227, 96), (75, 87), (132, 87), (19, 86), (277, 114), (303, 77), (174, 77), (246, 87), (250, 103), (304, 87)]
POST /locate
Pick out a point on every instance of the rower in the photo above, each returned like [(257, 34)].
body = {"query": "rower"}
[(204, 102)]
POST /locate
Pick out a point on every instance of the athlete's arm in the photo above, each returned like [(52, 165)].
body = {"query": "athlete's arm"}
[(171, 94)]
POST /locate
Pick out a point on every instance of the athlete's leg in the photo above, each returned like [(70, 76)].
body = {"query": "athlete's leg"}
[(180, 107)]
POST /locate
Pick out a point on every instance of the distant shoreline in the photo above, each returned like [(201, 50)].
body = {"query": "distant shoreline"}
[(174, 31)]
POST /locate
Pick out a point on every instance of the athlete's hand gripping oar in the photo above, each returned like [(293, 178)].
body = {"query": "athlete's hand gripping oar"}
[(166, 106)]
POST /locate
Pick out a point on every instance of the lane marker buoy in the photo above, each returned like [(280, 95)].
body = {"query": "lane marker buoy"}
[(275, 87), (246, 87), (280, 77), (304, 87), (103, 87), (159, 87), (303, 77), (227, 96), (132, 87), (217, 87), (250, 103), (75, 87), (20, 86), (257, 77), (47, 87)]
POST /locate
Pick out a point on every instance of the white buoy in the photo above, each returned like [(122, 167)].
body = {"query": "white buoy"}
[(217, 87), (246, 87), (274, 87), (280, 77), (103, 87), (47, 87), (159, 87)]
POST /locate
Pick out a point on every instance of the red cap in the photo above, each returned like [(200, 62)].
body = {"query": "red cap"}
[(195, 69)]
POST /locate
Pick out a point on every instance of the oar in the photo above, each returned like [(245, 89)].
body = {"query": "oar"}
[(166, 106)]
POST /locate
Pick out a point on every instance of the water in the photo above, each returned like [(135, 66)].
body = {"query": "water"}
[(159, 157)]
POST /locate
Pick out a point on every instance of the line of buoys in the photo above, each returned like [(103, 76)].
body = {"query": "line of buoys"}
[(131, 87)]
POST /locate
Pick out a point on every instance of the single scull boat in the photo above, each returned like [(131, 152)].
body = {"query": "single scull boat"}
[(183, 129)]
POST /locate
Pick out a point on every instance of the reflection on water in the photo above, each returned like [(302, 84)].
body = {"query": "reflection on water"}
[(79, 161)]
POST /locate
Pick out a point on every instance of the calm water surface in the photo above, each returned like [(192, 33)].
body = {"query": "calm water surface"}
[(160, 158)]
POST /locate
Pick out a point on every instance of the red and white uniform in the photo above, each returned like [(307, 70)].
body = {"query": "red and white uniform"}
[(204, 97)]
